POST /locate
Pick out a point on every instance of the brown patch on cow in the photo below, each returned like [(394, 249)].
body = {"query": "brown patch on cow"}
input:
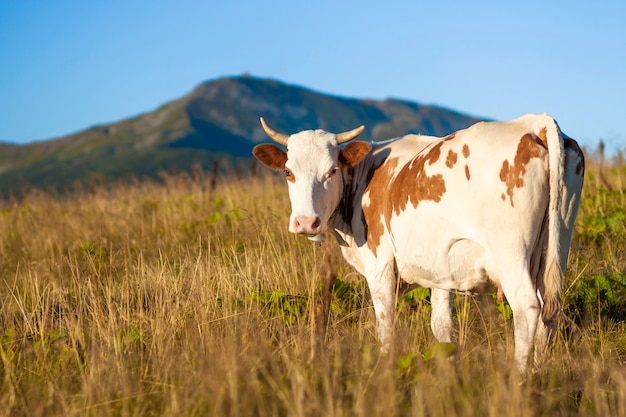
[(377, 186), (410, 185), (449, 137), (503, 197), (466, 151), (451, 159), (467, 173), (413, 185), (513, 175)]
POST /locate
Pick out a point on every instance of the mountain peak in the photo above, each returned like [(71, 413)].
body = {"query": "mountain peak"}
[(218, 119)]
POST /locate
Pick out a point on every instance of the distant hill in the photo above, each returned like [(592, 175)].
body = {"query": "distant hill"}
[(219, 119)]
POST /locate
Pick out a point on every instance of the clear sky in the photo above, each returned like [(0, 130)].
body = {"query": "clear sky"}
[(66, 65)]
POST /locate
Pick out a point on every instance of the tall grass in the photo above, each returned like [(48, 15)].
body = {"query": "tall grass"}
[(150, 299)]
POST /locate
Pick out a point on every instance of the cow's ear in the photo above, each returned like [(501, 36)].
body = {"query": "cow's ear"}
[(270, 155), (354, 152)]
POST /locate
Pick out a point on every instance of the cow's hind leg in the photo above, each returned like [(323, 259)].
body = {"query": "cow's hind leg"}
[(543, 337), (441, 315), (520, 293)]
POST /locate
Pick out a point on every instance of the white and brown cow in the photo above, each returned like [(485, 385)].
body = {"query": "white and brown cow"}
[(491, 204)]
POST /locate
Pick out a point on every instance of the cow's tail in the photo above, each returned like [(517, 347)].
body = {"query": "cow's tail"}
[(553, 276)]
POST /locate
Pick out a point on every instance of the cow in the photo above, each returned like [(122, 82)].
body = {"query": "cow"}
[(493, 204)]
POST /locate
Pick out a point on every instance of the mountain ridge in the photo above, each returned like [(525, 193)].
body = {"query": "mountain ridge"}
[(218, 119)]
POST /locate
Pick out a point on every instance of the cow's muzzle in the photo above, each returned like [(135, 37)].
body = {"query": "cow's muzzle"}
[(306, 225)]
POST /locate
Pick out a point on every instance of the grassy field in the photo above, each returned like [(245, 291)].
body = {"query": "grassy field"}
[(172, 299)]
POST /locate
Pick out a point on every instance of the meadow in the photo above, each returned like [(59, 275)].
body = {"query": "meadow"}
[(177, 298)]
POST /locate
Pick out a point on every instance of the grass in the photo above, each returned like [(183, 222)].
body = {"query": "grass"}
[(171, 299)]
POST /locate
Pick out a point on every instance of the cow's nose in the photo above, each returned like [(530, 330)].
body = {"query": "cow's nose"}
[(307, 225)]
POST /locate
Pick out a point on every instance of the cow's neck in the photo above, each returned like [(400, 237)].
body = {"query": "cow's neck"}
[(356, 180), (340, 222)]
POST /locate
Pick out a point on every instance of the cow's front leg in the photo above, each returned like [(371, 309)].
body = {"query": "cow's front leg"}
[(441, 315), (382, 283)]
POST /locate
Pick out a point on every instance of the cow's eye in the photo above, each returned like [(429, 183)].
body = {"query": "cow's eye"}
[(288, 173), (333, 172)]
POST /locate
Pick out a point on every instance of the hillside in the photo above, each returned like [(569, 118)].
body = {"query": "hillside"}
[(219, 119)]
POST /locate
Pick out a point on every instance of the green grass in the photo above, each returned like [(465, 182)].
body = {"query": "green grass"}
[(167, 299)]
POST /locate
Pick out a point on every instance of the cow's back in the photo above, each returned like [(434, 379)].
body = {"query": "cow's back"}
[(449, 210)]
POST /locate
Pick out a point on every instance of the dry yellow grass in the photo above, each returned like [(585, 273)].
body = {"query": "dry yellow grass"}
[(151, 299)]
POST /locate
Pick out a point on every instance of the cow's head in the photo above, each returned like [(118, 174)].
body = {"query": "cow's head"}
[(315, 167)]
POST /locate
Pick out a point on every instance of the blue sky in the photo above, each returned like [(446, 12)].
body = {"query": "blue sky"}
[(68, 65)]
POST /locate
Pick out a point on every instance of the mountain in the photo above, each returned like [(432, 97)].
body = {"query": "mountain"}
[(217, 120)]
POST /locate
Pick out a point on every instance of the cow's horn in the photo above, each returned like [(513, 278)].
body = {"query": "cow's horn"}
[(344, 137), (274, 135)]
